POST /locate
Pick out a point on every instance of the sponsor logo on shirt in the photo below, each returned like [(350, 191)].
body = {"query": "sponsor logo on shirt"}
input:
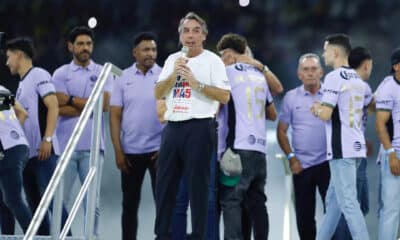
[(42, 83), (241, 67), (93, 78), (384, 102), (357, 146), (348, 75), (251, 139), (331, 91), (14, 135)]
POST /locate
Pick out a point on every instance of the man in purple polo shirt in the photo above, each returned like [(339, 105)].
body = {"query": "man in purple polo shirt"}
[(36, 94), (250, 104), (307, 161), (74, 83), (135, 128), (342, 106), (388, 130), (14, 153)]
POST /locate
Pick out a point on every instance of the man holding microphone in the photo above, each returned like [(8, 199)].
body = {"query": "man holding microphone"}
[(194, 84)]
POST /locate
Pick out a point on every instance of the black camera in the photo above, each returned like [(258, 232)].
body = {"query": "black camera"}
[(6, 99)]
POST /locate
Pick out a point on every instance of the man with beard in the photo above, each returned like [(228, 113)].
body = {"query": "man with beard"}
[(74, 83), (133, 113)]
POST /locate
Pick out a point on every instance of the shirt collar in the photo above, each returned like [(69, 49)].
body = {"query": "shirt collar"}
[(76, 67), (138, 72), (307, 93)]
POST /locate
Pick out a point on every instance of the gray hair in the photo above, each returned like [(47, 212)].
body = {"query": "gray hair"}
[(194, 16), (309, 55)]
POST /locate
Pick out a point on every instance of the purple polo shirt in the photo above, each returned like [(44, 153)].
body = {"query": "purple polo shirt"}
[(11, 133), (250, 95), (78, 81), (308, 132), (140, 127), (33, 87)]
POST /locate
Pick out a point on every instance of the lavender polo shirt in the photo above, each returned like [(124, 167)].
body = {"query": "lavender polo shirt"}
[(140, 127), (78, 81), (11, 133), (308, 132), (33, 87)]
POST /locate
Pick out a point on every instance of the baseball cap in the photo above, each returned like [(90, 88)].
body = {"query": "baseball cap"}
[(229, 181), (395, 58)]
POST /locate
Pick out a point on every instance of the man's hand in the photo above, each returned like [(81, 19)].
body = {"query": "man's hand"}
[(44, 151), (243, 58), (180, 63), (316, 109), (394, 164), (62, 99), (187, 74), (122, 164), (154, 159), (295, 165)]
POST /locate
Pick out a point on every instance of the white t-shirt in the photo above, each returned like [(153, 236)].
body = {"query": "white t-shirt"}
[(184, 103)]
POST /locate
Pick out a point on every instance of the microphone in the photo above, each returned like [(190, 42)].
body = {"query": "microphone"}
[(184, 52)]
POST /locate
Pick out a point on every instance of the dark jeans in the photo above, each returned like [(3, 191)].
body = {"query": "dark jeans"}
[(186, 148), (7, 221), (305, 185), (11, 168), (182, 202), (249, 192), (131, 184), (342, 230), (37, 175)]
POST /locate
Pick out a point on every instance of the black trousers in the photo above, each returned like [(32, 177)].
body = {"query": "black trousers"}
[(185, 149), (131, 184), (305, 185)]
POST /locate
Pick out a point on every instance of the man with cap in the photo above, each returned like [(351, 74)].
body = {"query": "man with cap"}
[(388, 130)]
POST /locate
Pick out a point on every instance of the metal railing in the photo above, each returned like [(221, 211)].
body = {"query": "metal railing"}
[(55, 187)]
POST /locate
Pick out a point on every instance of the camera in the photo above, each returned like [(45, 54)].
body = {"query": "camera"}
[(6, 99)]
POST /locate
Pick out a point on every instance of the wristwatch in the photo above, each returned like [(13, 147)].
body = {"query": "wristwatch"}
[(265, 69), (47, 139)]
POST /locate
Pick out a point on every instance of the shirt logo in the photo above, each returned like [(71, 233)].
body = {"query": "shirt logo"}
[(14, 135), (182, 90), (251, 139), (357, 146), (93, 78), (348, 75)]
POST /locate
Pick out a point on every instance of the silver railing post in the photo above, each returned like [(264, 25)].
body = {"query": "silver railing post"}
[(94, 98)]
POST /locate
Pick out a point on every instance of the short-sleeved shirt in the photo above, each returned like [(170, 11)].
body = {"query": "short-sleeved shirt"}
[(344, 92), (368, 99), (77, 81), (11, 132), (183, 102), (140, 127), (308, 136), (388, 99), (249, 97), (32, 89)]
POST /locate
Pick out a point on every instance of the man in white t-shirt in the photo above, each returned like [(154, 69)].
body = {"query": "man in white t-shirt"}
[(193, 82)]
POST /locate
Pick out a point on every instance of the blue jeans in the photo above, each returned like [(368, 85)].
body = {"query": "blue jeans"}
[(182, 201), (342, 231), (7, 221), (11, 167), (342, 198), (79, 165), (389, 211), (37, 175)]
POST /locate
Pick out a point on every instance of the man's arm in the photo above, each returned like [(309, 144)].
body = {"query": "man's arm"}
[(77, 104), (161, 109), (52, 115), (115, 131), (270, 112), (322, 111), (382, 117), (162, 88), (283, 141), (275, 86)]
